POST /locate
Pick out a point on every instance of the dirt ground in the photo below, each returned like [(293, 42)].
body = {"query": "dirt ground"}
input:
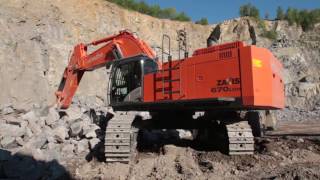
[(291, 152)]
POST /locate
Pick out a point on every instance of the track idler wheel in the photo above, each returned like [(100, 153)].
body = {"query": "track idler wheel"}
[(256, 120), (261, 121), (271, 121)]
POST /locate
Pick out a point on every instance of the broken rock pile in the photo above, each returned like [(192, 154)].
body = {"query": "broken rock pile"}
[(46, 135)]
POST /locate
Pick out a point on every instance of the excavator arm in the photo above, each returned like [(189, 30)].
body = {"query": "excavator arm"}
[(122, 45)]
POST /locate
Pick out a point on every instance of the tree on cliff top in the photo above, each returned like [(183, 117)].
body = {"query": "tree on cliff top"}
[(202, 21), (280, 13), (305, 18), (152, 10), (249, 10)]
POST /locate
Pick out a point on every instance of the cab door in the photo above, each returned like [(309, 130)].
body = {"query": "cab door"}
[(125, 80), (125, 83)]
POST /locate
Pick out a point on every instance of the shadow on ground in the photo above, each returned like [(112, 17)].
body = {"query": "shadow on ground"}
[(97, 152), (208, 136), (19, 166)]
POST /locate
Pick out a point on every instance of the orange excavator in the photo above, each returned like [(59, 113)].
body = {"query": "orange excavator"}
[(223, 79)]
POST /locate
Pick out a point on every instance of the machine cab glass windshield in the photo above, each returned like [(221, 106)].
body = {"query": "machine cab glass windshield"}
[(126, 81)]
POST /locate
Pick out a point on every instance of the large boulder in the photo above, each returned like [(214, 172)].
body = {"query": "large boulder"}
[(52, 117), (11, 130), (76, 128), (7, 110), (93, 143), (8, 142), (37, 142), (30, 116), (74, 112), (82, 146), (60, 133), (90, 131)]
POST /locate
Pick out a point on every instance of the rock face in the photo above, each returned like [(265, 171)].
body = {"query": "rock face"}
[(38, 36)]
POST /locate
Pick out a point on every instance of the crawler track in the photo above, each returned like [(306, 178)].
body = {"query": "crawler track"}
[(241, 140), (120, 139)]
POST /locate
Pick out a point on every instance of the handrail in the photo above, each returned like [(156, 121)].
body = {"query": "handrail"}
[(165, 36)]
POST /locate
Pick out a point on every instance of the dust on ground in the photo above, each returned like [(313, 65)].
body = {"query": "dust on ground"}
[(287, 153)]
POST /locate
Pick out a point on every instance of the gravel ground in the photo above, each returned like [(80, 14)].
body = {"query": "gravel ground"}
[(277, 157), (44, 144)]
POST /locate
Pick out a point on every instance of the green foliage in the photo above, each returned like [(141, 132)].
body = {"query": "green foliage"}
[(152, 10), (249, 10), (280, 13), (252, 11), (272, 34), (202, 21), (261, 24), (304, 18), (182, 17), (292, 16), (168, 13)]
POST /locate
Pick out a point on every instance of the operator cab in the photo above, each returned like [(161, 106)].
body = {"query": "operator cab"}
[(126, 83)]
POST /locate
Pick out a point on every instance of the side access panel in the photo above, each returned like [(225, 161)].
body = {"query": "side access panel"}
[(212, 75), (207, 75)]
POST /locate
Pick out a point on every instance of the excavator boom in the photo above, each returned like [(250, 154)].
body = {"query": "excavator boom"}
[(122, 45)]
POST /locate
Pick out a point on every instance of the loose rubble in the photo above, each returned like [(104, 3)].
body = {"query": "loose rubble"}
[(47, 137), (73, 148)]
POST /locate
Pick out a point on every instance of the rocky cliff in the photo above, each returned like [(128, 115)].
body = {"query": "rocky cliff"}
[(37, 37)]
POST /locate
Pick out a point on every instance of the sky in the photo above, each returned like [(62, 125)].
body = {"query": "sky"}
[(220, 10)]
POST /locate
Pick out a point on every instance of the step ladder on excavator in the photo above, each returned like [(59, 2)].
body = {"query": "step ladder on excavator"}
[(168, 80)]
